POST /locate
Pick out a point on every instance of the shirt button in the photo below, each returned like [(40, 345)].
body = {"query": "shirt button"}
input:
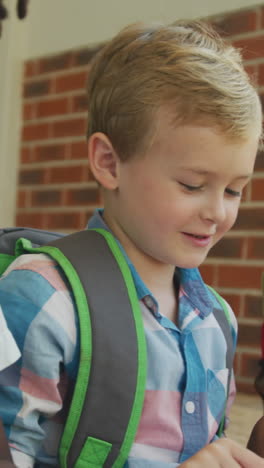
[(190, 407), (149, 302)]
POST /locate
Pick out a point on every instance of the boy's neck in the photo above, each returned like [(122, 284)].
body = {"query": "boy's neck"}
[(158, 277)]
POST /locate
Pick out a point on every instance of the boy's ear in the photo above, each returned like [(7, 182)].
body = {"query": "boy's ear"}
[(104, 162)]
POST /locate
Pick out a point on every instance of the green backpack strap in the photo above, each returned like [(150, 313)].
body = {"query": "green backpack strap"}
[(224, 322), (109, 391)]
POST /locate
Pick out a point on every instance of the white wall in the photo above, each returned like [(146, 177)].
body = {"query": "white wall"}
[(55, 25), (12, 51)]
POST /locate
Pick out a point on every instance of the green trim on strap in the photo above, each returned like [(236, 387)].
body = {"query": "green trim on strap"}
[(93, 454), (5, 260), (142, 353), (221, 426), (222, 303), (85, 338)]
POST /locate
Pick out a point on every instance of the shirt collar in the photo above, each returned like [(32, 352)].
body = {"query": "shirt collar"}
[(191, 283)]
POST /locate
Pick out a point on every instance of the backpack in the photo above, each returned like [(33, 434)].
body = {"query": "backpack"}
[(114, 368)]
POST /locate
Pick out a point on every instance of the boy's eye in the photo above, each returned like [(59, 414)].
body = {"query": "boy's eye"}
[(191, 188), (233, 193)]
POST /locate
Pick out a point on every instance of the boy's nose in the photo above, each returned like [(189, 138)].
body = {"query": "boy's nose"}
[(214, 210)]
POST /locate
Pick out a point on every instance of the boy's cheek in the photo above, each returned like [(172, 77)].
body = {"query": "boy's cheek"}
[(230, 221), (220, 232)]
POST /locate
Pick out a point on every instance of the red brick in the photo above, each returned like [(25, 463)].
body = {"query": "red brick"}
[(239, 276), (31, 176), (82, 196), (52, 107), (21, 198), (245, 387), (80, 103), (28, 111), (50, 152), (46, 198), (252, 47), (70, 82), (259, 166), (59, 175), (256, 248), (237, 23), (208, 273), (257, 189), (79, 150), (250, 218), (73, 127), (262, 17), (234, 301), (35, 220), (35, 132), (37, 88), (253, 306), (228, 248), (63, 221), (261, 76), (87, 174), (249, 335), (236, 363), (25, 154), (84, 56), (262, 100), (252, 71), (86, 215), (55, 63), (30, 68), (246, 193), (249, 365)]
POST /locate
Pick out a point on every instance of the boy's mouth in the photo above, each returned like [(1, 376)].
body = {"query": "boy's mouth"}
[(198, 236), (198, 240)]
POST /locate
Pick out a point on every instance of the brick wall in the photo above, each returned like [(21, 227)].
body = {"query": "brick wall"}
[(56, 190)]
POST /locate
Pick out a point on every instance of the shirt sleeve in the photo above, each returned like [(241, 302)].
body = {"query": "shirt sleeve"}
[(39, 313)]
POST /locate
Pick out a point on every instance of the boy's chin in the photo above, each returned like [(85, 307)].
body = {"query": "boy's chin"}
[(190, 266), (192, 263)]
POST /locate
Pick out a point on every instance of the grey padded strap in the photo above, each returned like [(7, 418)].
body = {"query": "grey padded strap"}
[(113, 377), (226, 329)]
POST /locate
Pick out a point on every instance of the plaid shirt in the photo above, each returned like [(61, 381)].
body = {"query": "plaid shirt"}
[(186, 374)]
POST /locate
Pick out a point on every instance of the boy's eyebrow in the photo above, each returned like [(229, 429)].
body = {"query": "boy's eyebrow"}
[(205, 172)]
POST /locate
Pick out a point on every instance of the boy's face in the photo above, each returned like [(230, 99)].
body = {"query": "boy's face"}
[(174, 203)]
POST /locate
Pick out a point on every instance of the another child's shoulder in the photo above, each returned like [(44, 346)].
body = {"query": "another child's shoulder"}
[(36, 281), (36, 268), (35, 289)]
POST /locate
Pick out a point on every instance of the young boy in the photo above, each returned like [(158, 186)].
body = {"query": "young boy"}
[(174, 127)]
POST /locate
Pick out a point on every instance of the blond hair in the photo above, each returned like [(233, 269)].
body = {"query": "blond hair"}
[(186, 66)]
